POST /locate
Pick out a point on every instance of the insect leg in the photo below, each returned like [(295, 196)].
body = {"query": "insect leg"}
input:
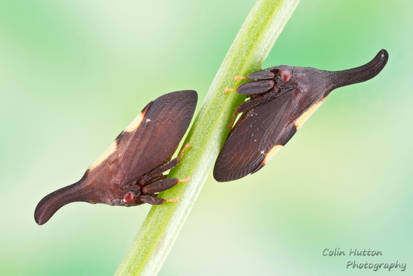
[(156, 173), (164, 167), (152, 200), (261, 75), (227, 90), (149, 191), (160, 185), (257, 75), (181, 154), (237, 78)]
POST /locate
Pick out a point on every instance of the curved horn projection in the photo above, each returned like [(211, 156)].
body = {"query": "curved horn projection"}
[(55, 200), (359, 74)]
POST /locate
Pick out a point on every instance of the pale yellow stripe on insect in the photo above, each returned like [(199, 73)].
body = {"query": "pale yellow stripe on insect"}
[(307, 114), (108, 152), (113, 147), (271, 153), (136, 122)]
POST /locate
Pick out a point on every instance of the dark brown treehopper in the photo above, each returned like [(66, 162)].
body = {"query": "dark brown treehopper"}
[(281, 99), (130, 171)]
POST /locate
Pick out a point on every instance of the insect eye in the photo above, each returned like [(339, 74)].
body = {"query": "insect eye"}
[(285, 75), (129, 198)]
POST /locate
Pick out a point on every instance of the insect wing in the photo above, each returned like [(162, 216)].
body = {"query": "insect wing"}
[(152, 142), (260, 133)]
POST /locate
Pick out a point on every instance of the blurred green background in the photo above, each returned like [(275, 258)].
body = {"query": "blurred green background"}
[(73, 74)]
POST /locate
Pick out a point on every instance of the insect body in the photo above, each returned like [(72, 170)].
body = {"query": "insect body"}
[(130, 171), (282, 98)]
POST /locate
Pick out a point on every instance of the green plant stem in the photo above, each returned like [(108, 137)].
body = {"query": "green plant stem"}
[(210, 128)]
